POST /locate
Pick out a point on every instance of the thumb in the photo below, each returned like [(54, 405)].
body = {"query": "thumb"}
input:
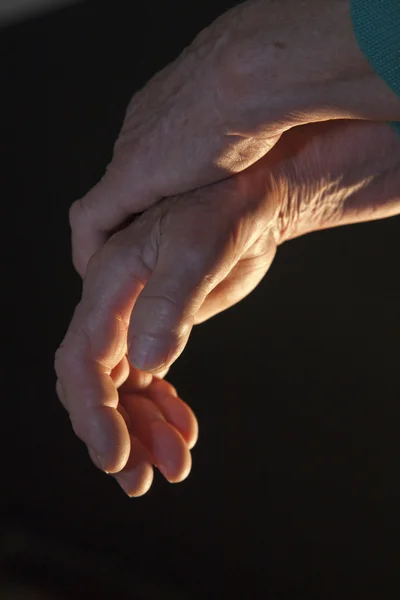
[(105, 208), (189, 267)]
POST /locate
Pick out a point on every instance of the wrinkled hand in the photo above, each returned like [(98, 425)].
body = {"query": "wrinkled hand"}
[(194, 255), (257, 71)]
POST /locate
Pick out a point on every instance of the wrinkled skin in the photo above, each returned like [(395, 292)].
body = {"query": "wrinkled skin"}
[(258, 70), (189, 258)]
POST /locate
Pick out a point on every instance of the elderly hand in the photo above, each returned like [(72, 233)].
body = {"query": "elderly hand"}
[(260, 69), (185, 260)]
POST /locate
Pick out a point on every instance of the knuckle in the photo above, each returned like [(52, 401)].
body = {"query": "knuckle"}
[(121, 256)]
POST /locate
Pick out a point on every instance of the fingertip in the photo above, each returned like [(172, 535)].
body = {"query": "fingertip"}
[(109, 439), (148, 353), (161, 387), (174, 475), (86, 238), (137, 381), (171, 453), (194, 436), (178, 414), (137, 476), (136, 484)]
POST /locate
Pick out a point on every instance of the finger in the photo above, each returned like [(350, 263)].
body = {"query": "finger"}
[(108, 204), (167, 447), (137, 476), (93, 346), (97, 459), (136, 382), (174, 410), (125, 416), (120, 373), (165, 397), (192, 259), (139, 381), (162, 373)]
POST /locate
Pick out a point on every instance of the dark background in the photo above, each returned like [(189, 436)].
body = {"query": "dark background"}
[(295, 485)]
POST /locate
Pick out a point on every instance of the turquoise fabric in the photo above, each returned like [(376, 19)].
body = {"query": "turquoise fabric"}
[(377, 27)]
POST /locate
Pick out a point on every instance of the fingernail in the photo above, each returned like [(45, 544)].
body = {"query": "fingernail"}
[(147, 353)]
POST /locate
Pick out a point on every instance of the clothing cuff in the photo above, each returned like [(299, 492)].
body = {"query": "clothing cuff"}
[(377, 28)]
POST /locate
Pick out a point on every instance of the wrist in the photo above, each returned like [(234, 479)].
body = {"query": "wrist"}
[(332, 174)]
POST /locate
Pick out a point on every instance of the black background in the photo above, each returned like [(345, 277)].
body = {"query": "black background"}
[(295, 485)]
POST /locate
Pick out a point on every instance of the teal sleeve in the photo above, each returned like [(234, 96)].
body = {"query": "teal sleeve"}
[(377, 28)]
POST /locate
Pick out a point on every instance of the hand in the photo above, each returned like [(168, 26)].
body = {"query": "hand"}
[(162, 429), (194, 255), (260, 69)]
